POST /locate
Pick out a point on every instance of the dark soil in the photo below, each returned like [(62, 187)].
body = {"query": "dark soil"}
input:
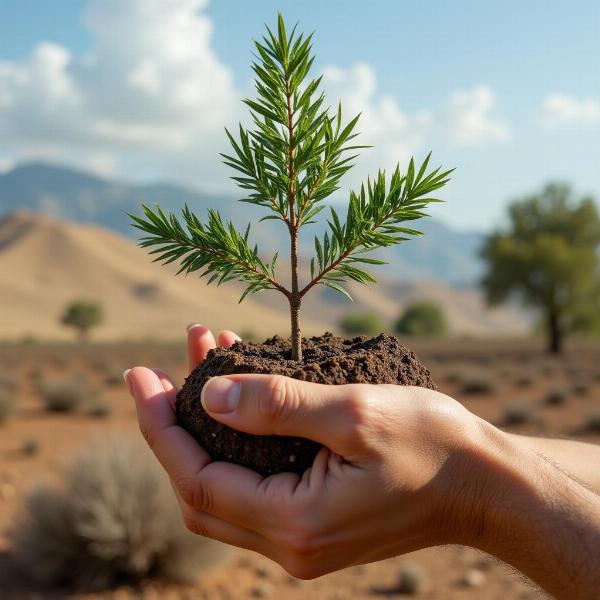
[(327, 359)]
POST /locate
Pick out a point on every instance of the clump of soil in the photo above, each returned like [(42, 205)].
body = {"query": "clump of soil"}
[(327, 359)]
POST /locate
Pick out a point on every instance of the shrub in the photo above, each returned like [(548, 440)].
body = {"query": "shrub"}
[(525, 380), (556, 396), (592, 422), (361, 323), (30, 447), (66, 395), (411, 580), (7, 405), (581, 387), (99, 408), (519, 413), (478, 383), (422, 319), (115, 520)]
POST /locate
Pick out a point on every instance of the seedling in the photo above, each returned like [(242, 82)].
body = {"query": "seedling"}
[(290, 163)]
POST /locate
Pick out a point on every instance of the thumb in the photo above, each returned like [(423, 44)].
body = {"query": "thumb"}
[(278, 405)]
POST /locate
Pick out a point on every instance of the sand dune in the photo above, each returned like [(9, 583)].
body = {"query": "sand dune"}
[(46, 263)]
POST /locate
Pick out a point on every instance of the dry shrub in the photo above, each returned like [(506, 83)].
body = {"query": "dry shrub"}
[(67, 395), (114, 520), (478, 383), (7, 405), (556, 396), (520, 413)]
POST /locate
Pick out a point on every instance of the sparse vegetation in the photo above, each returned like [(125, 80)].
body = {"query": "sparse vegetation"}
[(7, 405), (481, 382), (422, 319), (115, 520), (592, 422), (82, 315), (361, 323), (411, 580), (520, 413), (67, 395), (581, 387), (556, 396), (30, 447)]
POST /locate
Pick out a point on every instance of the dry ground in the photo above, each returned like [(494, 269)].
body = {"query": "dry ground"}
[(487, 377)]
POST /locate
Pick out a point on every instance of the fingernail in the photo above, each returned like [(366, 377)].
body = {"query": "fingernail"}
[(191, 326), (220, 395), (126, 380)]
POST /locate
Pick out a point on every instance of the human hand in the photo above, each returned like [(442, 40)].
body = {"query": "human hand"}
[(391, 478)]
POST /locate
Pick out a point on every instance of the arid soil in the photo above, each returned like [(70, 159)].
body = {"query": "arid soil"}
[(511, 384), (327, 359)]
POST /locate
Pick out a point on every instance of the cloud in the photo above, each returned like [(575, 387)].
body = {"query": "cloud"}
[(560, 110), (468, 119), (151, 97), (150, 87)]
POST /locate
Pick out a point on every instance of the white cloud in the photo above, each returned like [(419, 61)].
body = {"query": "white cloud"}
[(468, 119), (562, 110), (151, 97), (150, 87)]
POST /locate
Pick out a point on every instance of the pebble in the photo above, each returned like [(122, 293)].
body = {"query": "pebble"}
[(473, 578)]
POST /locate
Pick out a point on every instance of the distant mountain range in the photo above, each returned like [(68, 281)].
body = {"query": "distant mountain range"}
[(443, 254)]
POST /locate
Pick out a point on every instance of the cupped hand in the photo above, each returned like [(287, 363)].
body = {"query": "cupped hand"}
[(391, 477)]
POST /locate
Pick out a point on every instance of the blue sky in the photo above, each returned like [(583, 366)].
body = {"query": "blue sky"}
[(508, 93)]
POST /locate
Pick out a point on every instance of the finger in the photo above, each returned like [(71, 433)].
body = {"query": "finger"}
[(168, 385), (227, 491), (277, 405), (176, 450), (208, 525), (200, 341), (227, 338)]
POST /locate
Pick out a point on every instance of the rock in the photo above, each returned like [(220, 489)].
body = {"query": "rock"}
[(473, 578)]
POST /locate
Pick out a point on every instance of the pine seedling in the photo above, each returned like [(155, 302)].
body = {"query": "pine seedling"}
[(289, 163)]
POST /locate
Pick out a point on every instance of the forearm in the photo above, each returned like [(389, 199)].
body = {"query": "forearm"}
[(578, 459), (540, 520)]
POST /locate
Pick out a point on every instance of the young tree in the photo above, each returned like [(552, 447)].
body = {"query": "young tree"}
[(548, 257), (82, 315), (422, 319), (289, 163)]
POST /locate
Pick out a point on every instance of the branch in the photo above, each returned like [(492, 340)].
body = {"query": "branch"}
[(216, 247)]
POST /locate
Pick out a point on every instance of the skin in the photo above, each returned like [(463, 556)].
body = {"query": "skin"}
[(420, 470)]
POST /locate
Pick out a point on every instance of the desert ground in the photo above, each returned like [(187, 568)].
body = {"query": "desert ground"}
[(512, 384)]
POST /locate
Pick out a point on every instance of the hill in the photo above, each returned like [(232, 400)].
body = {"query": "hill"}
[(46, 263), (441, 255)]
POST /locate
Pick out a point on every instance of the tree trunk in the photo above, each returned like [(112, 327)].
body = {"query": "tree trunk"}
[(295, 298), (555, 332)]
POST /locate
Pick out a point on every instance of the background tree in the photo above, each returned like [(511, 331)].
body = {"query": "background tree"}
[(548, 258), (82, 315), (361, 323), (290, 163), (422, 319)]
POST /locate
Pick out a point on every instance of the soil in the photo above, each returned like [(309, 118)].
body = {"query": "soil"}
[(327, 359)]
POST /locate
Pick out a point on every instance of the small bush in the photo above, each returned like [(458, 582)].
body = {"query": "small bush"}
[(30, 447), (67, 395), (361, 323), (592, 422), (556, 397), (411, 580), (478, 383), (424, 319), (114, 375), (115, 520), (7, 405), (99, 408), (525, 380), (581, 387), (520, 413)]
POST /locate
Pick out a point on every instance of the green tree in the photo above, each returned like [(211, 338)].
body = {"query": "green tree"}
[(361, 323), (290, 162), (423, 319), (82, 315), (548, 258)]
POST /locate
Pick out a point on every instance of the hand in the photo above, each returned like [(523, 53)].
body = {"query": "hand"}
[(392, 476)]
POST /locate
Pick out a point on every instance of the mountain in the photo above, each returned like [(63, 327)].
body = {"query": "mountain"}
[(441, 255), (45, 263)]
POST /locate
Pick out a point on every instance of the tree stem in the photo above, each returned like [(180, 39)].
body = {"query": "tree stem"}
[(295, 298)]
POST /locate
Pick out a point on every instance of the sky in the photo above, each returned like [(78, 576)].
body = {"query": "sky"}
[(507, 92)]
